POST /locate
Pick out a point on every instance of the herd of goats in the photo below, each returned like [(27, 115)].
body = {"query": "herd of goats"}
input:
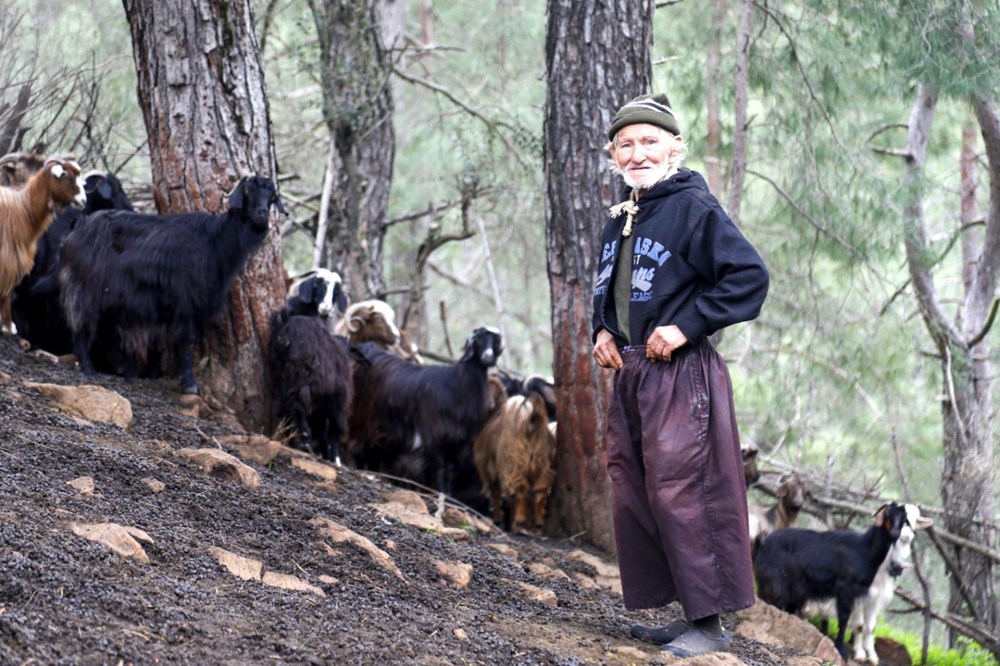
[(129, 293)]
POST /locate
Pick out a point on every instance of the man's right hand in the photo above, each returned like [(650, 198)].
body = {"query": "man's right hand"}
[(606, 351)]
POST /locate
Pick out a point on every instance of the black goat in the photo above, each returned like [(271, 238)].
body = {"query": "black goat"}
[(419, 421), (793, 566), (147, 280), (36, 309), (312, 371)]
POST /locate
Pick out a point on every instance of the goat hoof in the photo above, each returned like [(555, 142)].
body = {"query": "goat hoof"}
[(191, 389)]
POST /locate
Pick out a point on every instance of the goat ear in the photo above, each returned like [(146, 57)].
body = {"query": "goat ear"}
[(923, 523), (341, 299), (105, 190), (236, 198), (276, 200), (880, 516), (306, 291)]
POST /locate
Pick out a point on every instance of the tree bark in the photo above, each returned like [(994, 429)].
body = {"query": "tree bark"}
[(967, 477), (201, 90), (597, 58), (741, 82), (357, 107), (713, 110)]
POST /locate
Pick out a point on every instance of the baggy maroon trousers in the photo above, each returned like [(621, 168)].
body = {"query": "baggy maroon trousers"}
[(678, 493)]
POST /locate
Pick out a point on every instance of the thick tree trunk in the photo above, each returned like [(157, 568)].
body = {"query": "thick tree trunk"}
[(201, 90), (597, 58), (357, 107)]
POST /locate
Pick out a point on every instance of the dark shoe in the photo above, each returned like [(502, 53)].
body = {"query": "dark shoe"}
[(693, 643), (660, 635)]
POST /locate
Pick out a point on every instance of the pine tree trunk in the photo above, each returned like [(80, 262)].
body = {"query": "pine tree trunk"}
[(201, 90), (597, 57), (357, 108)]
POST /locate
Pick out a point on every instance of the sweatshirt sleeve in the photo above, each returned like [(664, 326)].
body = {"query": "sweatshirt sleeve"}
[(735, 279)]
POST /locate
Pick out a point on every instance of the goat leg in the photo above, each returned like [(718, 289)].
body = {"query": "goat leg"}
[(82, 351), (185, 351)]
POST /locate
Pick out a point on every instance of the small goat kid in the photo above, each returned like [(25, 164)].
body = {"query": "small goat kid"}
[(794, 566)]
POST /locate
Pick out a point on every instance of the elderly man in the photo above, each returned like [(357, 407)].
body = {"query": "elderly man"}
[(673, 270)]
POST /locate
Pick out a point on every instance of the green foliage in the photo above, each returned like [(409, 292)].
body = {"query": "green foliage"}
[(965, 653)]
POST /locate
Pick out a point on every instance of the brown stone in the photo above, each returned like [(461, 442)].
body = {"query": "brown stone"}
[(122, 540), (891, 652), (458, 574), (88, 402), (83, 485), (217, 461), (241, 567), (340, 534), (154, 485), (538, 594), (766, 624), (316, 468)]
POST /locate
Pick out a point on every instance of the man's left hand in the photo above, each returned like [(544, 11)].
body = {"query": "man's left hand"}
[(663, 342)]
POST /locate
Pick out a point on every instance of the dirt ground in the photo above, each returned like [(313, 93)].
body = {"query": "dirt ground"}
[(65, 599)]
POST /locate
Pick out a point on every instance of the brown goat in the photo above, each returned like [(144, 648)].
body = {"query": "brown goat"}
[(792, 494), (514, 456), (25, 213), (17, 168), (375, 321)]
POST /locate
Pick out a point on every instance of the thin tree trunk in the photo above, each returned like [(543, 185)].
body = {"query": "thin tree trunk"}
[(713, 79), (201, 90), (357, 107), (597, 58), (740, 82)]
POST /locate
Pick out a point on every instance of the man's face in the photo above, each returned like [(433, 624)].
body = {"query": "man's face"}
[(641, 152)]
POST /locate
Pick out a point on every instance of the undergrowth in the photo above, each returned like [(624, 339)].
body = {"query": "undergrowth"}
[(966, 652)]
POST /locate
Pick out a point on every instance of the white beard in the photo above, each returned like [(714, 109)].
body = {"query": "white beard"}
[(644, 180)]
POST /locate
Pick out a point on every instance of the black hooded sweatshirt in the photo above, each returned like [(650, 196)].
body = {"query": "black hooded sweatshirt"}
[(691, 266)]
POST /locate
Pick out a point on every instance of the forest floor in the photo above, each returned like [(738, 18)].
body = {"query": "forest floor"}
[(301, 569)]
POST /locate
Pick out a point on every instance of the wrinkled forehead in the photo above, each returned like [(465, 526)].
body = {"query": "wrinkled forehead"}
[(640, 131)]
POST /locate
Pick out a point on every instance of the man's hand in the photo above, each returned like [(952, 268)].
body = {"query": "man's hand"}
[(606, 351), (663, 342)]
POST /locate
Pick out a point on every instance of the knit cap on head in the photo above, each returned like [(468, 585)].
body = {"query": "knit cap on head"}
[(652, 109)]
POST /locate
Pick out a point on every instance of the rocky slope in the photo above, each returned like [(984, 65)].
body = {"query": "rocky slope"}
[(152, 533)]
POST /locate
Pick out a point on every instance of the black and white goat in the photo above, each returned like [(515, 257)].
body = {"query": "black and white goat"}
[(419, 421), (879, 595), (141, 281), (37, 311), (794, 566), (312, 372), (331, 305)]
